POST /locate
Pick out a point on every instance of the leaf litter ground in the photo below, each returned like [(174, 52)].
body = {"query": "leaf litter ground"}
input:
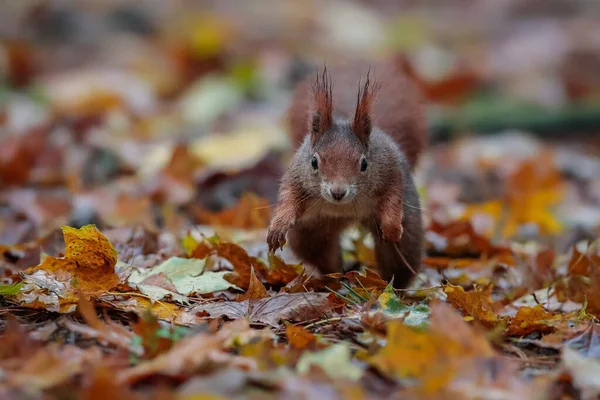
[(134, 261)]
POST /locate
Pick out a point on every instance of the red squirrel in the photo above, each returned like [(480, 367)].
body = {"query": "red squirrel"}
[(357, 142)]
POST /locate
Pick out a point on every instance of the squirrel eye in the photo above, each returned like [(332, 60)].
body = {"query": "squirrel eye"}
[(314, 162), (363, 164)]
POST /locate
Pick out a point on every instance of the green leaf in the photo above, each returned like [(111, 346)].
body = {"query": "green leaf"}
[(335, 361), (187, 275), (10, 290), (413, 315)]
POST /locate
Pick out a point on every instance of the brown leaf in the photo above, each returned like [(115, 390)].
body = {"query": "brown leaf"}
[(476, 303), (189, 355), (581, 263), (111, 332), (462, 241), (280, 273), (18, 156), (250, 212), (49, 366), (104, 386), (175, 183), (165, 311), (271, 310), (532, 319), (256, 290), (148, 329), (369, 284), (300, 338)]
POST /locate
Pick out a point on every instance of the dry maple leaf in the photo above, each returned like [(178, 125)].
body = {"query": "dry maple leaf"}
[(532, 319), (476, 303), (271, 310), (87, 270)]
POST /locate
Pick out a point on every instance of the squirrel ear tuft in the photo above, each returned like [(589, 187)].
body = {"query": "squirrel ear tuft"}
[(361, 125), (322, 108)]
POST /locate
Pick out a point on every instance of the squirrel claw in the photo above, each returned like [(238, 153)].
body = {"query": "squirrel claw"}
[(276, 239)]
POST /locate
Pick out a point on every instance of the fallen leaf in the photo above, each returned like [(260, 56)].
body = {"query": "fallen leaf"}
[(87, 270), (187, 275), (256, 290), (335, 361), (531, 319), (49, 366), (271, 310), (369, 285), (189, 355), (531, 191), (103, 385), (250, 212), (11, 290), (412, 315), (299, 338), (585, 372), (437, 357), (140, 305), (476, 303)]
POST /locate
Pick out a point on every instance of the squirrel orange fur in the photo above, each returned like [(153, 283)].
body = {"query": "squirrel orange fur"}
[(358, 132)]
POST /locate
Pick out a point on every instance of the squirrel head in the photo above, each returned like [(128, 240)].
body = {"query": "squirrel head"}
[(339, 156)]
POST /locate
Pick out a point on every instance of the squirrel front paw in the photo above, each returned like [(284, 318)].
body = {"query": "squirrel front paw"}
[(276, 237), (392, 232)]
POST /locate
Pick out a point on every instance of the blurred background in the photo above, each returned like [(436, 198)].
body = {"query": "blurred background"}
[(170, 113)]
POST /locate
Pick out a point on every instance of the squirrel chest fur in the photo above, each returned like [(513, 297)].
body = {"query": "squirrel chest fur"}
[(356, 143)]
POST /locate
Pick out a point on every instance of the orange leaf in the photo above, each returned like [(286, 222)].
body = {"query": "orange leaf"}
[(88, 266), (368, 284), (256, 290), (299, 338), (476, 303), (531, 319), (434, 357), (281, 273), (250, 212)]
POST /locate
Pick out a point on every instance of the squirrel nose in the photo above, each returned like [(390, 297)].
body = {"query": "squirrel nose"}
[(337, 193)]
